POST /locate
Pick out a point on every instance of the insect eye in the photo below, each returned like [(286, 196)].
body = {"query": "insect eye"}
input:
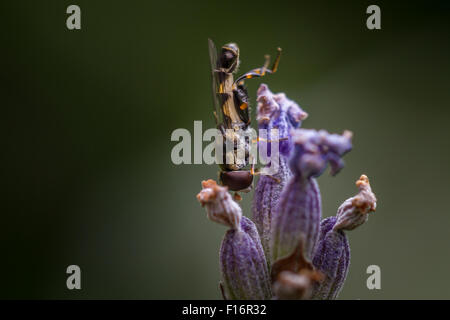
[(236, 180), (227, 59), (228, 55)]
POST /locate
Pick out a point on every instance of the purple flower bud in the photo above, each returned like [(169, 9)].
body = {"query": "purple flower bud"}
[(275, 111), (332, 256), (315, 149), (298, 213), (295, 114), (297, 218), (245, 275), (265, 200)]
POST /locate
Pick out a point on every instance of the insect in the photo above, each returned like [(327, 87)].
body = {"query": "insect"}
[(232, 113)]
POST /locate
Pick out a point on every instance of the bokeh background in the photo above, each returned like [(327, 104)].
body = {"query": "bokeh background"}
[(87, 118)]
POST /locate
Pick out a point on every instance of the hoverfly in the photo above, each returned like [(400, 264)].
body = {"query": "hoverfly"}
[(232, 112)]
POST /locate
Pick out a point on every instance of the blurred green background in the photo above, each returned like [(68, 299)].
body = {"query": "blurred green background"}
[(88, 114)]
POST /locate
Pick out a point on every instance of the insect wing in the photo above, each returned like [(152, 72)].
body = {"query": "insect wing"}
[(215, 82)]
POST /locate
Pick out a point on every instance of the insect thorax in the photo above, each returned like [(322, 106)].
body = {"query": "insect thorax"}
[(237, 142)]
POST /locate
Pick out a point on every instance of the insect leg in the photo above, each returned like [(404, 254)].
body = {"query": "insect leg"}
[(256, 172), (260, 72), (269, 140)]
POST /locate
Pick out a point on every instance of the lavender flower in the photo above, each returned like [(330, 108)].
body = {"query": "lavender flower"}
[(299, 210), (243, 264), (303, 257), (332, 256), (275, 111), (294, 113)]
